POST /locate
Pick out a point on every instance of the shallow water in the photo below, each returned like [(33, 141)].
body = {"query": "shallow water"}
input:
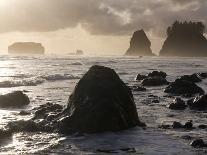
[(52, 79)]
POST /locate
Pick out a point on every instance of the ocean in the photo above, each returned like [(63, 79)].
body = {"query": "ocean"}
[(52, 78)]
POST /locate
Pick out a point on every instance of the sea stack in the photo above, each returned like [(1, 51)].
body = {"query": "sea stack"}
[(185, 39), (26, 48), (140, 45)]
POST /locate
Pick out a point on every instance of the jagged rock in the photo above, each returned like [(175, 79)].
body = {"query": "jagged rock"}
[(185, 39), (178, 104), (202, 75), (26, 48), (14, 99), (199, 103), (100, 102), (140, 45), (191, 78), (157, 74), (140, 77), (181, 87), (154, 81)]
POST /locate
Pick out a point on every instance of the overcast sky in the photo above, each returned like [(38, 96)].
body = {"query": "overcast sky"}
[(96, 26)]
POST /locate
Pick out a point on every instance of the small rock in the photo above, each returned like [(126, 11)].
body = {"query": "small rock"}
[(198, 143), (157, 74), (202, 126), (154, 81), (188, 125), (178, 104), (155, 101), (177, 125), (191, 78), (23, 112), (140, 77)]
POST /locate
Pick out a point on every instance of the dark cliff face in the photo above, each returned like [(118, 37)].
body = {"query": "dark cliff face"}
[(139, 45), (26, 48), (185, 39)]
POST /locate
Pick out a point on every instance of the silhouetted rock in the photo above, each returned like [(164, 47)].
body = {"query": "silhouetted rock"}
[(154, 81), (178, 104), (199, 103), (198, 143), (14, 99), (188, 125), (140, 77), (202, 75), (185, 39), (26, 48), (100, 102), (191, 78), (157, 74), (181, 87), (139, 45), (177, 125)]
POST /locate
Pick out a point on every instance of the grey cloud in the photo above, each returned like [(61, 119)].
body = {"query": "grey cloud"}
[(101, 17)]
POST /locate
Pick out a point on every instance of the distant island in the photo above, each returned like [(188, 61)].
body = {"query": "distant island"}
[(26, 48), (140, 45), (185, 39)]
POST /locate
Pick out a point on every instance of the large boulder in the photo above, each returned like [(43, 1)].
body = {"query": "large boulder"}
[(140, 45), (14, 99), (100, 102), (192, 78), (185, 39), (154, 81), (183, 87)]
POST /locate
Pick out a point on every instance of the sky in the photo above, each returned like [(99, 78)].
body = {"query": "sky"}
[(100, 27)]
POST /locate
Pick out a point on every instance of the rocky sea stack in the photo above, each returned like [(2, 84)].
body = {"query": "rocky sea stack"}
[(185, 39), (100, 102), (140, 45), (26, 48)]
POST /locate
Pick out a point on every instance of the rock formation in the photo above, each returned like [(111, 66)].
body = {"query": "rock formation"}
[(14, 99), (185, 39), (26, 48), (139, 45)]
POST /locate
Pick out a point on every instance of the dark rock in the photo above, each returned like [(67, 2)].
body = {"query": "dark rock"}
[(164, 126), (199, 103), (188, 125), (128, 150), (191, 78), (198, 143), (154, 81), (26, 48), (157, 74), (140, 45), (100, 102), (178, 104), (14, 99), (187, 137), (177, 125), (180, 87), (155, 101), (23, 112), (202, 126), (185, 39), (140, 77), (202, 75), (5, 133)]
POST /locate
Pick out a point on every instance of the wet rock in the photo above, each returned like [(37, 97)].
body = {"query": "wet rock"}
[(180, 87), (155, 101), (202, 126), (23, 112), (199, 103), (178, 104), (164, 126), (157, 74), (19, 126), (140, 45), (100, 102), (5, 133), (43, 111), (140, 77), (187, 137), (154, 81), (188, 125), (177, 125), (198, 143), (202, 75), (14, 99), (191, 78)]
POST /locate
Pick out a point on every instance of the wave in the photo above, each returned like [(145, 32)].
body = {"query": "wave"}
[(59, 77)]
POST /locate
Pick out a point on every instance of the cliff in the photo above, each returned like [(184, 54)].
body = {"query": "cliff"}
[(26, 48), (140, 45), (185, 40)]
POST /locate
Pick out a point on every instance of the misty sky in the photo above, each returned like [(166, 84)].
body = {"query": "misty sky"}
[(96, 26)]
